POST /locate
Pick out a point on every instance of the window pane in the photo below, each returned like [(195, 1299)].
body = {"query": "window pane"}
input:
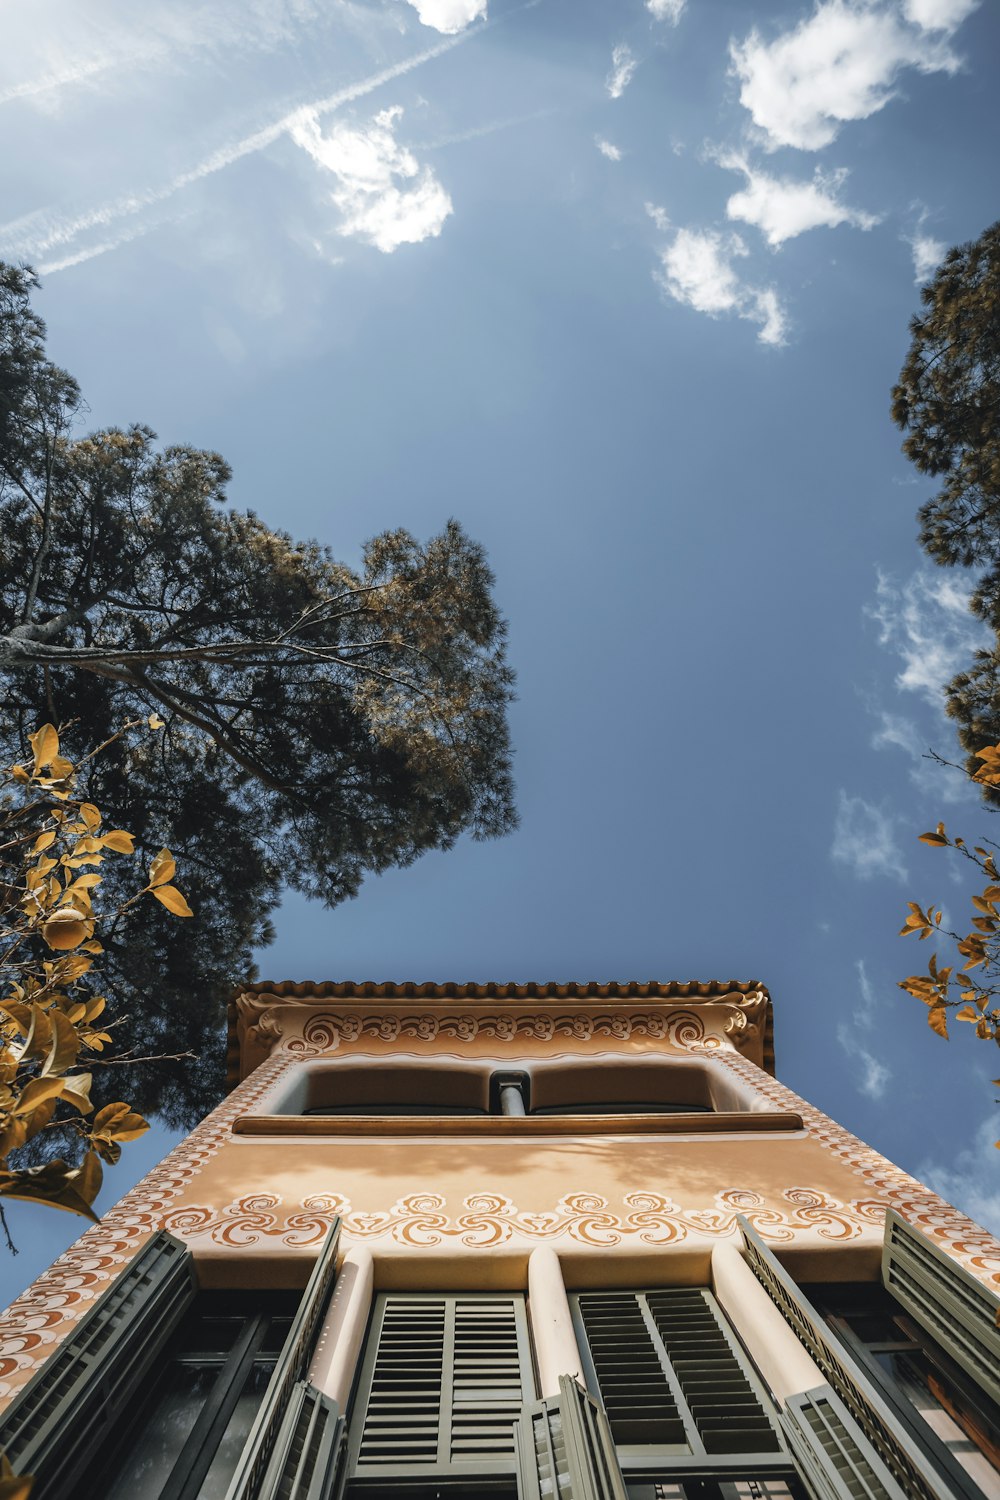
[(236, 1433), (161, 1433)]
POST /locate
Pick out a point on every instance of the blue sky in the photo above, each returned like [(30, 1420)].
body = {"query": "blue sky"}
[(623, 286)]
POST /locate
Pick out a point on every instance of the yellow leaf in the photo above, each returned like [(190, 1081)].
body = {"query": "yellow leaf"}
[(155, 722), (14, 1486), (73, 1189), (45, 746), (37, 1092), (65, 1045), (120, 841), (966, 1013), (77, 1091), (172, 900), (933, 838), (91, 815), (937, 1020), (39, 1038), (43, 841), (162, 869)]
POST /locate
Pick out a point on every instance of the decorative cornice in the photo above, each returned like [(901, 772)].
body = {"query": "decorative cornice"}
[(255, 1012), (631, 989)]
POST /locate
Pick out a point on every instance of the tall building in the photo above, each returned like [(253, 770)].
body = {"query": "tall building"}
[(561, 1241)]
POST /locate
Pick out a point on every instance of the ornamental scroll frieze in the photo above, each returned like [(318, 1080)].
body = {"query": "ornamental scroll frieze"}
[(484, 1221), (272, 1022)]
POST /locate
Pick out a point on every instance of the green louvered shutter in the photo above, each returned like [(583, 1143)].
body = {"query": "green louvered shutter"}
[(674, 1382), (565, 1450), (879, 1424), (309, 1461), (834, 1458), (289, 1369), (958, 1312), (62, 1417), (444, 1379), (65, 1412)]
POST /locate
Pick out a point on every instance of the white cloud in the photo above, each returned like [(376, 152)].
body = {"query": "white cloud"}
[(35, 234), (698, 271), (659, 216), (864, 839), (607, 149), (972, 1181), (384, 196), (623, 65), (672, 10), (839, 64), (873, 1076), (449, 16), (765, 308), (938, 15), (945, 783), (926, 623), (782, 208), (928, 253)]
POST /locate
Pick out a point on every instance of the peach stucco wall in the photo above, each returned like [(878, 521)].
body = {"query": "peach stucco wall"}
[(453, 1210)]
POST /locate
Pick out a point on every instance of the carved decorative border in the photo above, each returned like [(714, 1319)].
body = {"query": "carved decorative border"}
[(266, 1022), (487, 1220)]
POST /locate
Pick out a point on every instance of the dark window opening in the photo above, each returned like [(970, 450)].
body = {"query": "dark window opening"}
[(181, 1435), (380, 1091), (641, 1088), (623, 1107), (946, 1412)]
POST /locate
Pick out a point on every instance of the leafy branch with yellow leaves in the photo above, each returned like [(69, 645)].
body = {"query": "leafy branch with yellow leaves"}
[(970, 996), (53, 1027)]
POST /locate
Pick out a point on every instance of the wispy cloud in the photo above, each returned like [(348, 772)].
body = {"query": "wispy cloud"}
[(873, 1076), (607, 149), (864, 839), (63, 46), (938, 15), (944, 782), (623, 65), (925, 622), (37, 234), (840, 64), (698, 270), (927, 251), (666, 10), (449, 16), (972, 1181), (782, 208), (383, 194), (477, 132)]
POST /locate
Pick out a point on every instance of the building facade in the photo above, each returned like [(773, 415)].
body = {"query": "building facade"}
[(515, 1241)]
